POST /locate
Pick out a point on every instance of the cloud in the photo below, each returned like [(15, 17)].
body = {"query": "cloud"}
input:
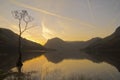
[(46, 33), (91, 10), (85, 24), (7, 24), (37, 9)]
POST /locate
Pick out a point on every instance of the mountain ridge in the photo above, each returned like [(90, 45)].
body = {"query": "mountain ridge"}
[(58, 44), (9, 39), (109, 43)]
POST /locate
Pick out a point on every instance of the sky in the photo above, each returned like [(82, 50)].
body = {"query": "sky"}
[(70, 20)]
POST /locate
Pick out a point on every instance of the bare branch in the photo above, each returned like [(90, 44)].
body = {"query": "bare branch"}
[(24, 28), (27, 19), (17, 14), (27, 28), (22, 15), (31, 27), (24, 12)]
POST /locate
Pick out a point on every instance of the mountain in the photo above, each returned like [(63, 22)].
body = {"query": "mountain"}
[(59, 44), (104, 49), (9, 41), (54, 43), (91, 41), (9, 49), (110, 43)]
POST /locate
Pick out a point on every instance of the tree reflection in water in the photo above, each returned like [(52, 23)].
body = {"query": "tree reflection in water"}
[(52, 75), (19, 76)]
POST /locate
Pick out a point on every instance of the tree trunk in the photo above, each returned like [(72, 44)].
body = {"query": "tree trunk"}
[(19, 48), (19, 61)]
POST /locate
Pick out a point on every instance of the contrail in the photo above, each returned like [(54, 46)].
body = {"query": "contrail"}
[(90, 9), (39, 10), (9, 24), (113, 21), (116, 17), (52, 14)]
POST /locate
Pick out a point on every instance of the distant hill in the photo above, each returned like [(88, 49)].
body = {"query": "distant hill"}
[(110, 43), (59, 44), (9, 41), (54, 43)]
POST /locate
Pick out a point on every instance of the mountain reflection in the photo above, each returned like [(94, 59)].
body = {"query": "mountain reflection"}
[(58, 56), (68, 65), (57, 65)]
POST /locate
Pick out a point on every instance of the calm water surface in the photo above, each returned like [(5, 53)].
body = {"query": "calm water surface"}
[(46, 68)]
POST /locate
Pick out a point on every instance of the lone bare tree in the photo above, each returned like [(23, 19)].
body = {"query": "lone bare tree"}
[(23, 20)]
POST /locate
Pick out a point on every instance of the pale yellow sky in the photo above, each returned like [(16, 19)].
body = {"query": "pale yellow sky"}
[(70, 20)]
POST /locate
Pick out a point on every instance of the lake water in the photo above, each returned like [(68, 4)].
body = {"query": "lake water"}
[(60, 66)]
